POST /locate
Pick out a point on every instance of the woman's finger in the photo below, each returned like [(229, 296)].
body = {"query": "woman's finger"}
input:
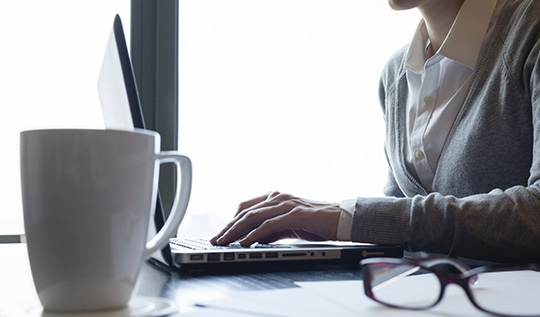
[(252, 219), (252, 205)]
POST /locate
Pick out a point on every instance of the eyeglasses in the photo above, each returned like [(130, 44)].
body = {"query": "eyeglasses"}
[(498, 290)]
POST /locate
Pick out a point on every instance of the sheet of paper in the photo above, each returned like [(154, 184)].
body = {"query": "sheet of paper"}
[(282, 302), (340, 298)]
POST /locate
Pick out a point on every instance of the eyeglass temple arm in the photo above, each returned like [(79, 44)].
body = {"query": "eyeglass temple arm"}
[(430, 262), (398, 272)]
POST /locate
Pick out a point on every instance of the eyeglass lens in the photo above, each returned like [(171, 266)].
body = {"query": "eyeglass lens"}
[(388, 282)]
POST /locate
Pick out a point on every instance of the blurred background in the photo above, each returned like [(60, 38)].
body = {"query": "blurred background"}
[(273, 94)]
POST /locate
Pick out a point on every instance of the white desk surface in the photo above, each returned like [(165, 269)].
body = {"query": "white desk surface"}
[(17, 286)]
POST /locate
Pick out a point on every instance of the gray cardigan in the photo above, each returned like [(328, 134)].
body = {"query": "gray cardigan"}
[(485, 202)]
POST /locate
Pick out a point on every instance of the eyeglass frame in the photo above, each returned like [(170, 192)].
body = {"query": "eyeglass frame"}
[(466, 277)]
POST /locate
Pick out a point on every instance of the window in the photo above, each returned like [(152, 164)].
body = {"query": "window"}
[(282, 95)]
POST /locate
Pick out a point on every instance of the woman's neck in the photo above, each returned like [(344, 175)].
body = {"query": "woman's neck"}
[(439, 15)]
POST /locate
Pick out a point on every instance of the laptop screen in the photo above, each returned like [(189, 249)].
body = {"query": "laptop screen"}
[(116, 84), (121, 105)]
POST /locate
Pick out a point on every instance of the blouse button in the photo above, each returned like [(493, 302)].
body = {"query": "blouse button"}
[(419, 154)]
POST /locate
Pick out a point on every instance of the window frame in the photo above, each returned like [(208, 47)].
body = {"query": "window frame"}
[(154, 52)]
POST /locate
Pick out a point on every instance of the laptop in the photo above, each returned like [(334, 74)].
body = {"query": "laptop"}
[(122, 110)]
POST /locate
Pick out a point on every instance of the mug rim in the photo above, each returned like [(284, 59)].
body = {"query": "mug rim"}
[(91, 130)]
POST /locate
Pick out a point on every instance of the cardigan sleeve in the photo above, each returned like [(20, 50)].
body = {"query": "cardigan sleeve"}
[(501, 226)]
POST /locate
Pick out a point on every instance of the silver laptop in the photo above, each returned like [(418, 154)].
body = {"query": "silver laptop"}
[(122, 110)]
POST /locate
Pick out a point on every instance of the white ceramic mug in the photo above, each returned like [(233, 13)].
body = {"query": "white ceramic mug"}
[(87, 200)]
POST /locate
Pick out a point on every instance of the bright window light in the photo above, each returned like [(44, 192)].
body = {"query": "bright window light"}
[(283, 95)]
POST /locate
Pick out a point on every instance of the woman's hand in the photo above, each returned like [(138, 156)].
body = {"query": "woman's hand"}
[(276, 216)]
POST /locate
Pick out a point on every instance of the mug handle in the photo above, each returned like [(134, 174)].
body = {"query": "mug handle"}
[(181, 200)]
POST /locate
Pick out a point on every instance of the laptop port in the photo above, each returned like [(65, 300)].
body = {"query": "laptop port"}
[(213, 257), (294, 254), (196, 257), (271, 255), (228, 256), (241, 255), (255, 255)]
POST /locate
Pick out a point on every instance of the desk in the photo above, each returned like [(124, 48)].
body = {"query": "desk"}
[(17, 293)]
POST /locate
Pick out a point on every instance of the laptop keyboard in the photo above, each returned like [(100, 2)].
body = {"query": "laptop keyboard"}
[(204, 244)]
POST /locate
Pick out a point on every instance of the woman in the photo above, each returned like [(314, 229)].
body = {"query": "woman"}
[(461, 105)]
